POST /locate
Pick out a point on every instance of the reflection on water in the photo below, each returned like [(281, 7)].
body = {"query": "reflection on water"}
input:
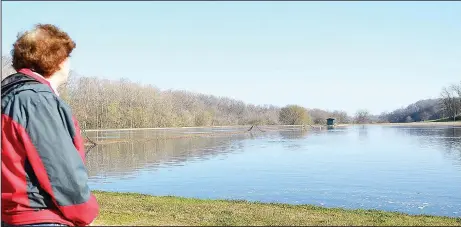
[(121, 159), (447, 139), (409, 169), (363, 133)]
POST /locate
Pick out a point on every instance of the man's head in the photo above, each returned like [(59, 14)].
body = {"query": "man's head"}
[(46, 50)]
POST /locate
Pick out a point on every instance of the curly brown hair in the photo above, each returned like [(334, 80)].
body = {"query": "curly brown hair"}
[(42, 49)]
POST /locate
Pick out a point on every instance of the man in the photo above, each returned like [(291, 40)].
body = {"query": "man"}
[(44, 180)]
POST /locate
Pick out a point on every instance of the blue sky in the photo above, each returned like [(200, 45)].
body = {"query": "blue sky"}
[(331, 55)]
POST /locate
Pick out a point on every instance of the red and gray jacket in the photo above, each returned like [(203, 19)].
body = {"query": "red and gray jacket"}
[(44, 179)]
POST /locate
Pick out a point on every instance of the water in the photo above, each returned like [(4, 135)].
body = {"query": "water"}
[(416, 170)]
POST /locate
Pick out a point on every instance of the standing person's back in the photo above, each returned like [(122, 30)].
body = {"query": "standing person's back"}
[(44, 179)]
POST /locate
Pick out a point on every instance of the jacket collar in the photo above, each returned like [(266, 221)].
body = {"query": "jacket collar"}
[(39, 78)]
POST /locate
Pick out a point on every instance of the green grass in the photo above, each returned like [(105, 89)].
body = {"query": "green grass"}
[(137, 209), (458, 118)]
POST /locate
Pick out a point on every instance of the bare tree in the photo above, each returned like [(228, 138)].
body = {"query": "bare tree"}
[(450, 102), (294, 115), (424, 116), (456, 88), (362, 117), (341, 117), (408, 119), (7, 68)]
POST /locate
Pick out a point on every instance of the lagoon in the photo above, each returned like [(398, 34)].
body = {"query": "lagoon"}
[(415, 170)]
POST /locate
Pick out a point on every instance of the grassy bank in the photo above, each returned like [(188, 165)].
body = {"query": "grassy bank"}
[(458, 118), (425, 123), (136, 209)]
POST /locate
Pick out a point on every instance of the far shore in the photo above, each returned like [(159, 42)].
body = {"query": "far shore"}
[(425, 123)]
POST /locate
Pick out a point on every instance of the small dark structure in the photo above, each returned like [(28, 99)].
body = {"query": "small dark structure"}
[(330, 122)]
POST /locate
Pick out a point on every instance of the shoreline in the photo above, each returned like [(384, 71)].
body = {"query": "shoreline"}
[(455, 123), (450, 123), (138, 209), (244, 127)]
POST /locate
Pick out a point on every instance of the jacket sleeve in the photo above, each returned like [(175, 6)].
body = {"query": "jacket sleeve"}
[(55, 160)]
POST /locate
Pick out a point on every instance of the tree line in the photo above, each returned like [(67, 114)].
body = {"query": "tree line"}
[(445, 108), (101, 104)]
